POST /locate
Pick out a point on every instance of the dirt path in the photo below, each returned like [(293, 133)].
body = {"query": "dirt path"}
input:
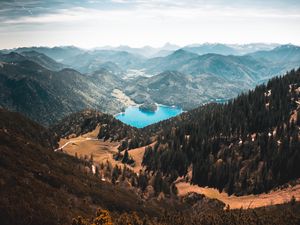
[(248, 201), (88, 144)]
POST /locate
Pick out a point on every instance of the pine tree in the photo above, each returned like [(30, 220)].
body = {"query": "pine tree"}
[(125, 157)]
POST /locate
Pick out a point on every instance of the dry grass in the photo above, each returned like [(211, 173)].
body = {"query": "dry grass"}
[(86, 145), (138, 154), (103, 151), (248, 201)]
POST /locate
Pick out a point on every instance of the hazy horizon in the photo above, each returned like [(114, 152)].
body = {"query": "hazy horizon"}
[(150, 46), (136, 23)]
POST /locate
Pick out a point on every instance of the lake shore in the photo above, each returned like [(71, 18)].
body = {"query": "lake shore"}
[(135, 117)]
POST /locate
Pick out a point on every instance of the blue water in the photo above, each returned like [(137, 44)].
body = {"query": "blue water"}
[(135, 117)]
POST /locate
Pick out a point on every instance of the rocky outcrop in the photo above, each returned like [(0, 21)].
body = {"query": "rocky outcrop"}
[(148, 106)]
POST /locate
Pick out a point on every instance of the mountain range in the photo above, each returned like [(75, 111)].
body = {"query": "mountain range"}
[(65, 159), (47, 96), (228, 49), (90, 78), (248, 146)]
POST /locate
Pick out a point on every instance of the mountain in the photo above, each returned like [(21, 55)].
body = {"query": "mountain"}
[(229, 67), (162, 53), (221, 49), (168, 57), (253, 47), (146, 51), (104, 78), (33, 56), (249, 145), (175, 88), (204, 78), (47, 96), (91, 61), (281, 54), (245, 68), (43, 60), (112, 68), (59, 54), (229, 49), (174, 61), (11, 57), (198, 79)]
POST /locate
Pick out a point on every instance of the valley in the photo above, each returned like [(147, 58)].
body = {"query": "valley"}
[(149, 112), (88, 145), (188, 132), (110, 80)]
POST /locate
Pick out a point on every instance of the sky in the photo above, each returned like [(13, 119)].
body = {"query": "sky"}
[(94, 23)]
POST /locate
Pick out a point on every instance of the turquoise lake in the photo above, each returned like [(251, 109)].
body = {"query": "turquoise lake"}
[(135, 117)]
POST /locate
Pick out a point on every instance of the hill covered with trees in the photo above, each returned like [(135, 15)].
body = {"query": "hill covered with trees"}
[(246, 146), (249, 145)]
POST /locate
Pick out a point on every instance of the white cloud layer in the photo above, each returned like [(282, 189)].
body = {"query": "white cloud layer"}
[(152, 22)]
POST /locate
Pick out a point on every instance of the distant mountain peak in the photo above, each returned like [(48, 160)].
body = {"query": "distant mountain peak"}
[(287, 46), (170, 46)]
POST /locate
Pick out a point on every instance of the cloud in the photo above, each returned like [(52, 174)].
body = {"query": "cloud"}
[(138, 22), (147, 10), (19, 8)]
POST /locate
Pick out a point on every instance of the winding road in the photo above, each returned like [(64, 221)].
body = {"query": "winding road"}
[(75, 141)]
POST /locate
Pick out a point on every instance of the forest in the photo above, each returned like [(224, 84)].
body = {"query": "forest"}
[(246, 146)]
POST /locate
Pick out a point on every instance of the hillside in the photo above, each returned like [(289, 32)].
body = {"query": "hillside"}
[(203, 215), (40, 186), (175, 88), (248, 69), (205, 78), (249, 145), (228, 49), (212, 48), (59, 54), (280, 54), (87, 120), (43, 60), (33, 56), (90, 61), (246, 146), (47, 96)]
